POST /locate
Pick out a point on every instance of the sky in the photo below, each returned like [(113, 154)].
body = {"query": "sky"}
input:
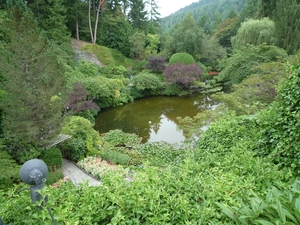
[(167, 7)]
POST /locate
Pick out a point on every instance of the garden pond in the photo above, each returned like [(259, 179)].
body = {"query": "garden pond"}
[(153, 118)]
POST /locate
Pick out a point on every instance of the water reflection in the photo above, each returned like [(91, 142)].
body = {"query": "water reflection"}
[(154, 118)]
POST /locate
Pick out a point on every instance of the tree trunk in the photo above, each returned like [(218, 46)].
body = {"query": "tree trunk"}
[(94, 34), (90, 24)]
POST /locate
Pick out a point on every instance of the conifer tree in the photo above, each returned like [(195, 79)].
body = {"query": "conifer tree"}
[(138, 14), (287, 23), (32, 80), (154, 15)]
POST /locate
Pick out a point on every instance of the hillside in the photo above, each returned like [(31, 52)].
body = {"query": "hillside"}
[(211, 7)]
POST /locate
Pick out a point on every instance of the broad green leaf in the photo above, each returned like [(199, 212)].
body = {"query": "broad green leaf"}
[(264, 222)]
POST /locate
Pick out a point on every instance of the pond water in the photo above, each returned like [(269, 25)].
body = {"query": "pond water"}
[(153, 118)]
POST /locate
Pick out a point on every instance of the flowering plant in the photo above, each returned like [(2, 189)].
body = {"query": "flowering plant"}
[(98, 167)]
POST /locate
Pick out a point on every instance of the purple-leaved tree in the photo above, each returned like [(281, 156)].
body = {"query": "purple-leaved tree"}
[(78, 100)]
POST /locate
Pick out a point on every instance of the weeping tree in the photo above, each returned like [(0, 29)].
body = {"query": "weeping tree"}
[(32, 81), (255, 32)]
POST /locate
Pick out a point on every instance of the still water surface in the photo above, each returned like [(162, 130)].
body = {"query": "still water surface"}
[(153, 118)]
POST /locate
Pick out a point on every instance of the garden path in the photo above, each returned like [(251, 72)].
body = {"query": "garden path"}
[(76, 175)]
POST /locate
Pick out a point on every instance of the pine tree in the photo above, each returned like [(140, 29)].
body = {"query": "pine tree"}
[(32, 81), (138, 14), (153, 13)]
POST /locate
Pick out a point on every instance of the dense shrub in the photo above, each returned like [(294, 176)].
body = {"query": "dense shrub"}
[(184, 58), (147, 84), (113, 72), (52, 157), (115, 157), (119, 138), (85, 140), (9, 171), (74, 149), (156, 64), (183, 75), (22, 152)]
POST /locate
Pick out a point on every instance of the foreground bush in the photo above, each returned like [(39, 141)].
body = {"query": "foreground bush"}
[(9, 171), (183, 194), (277, 207)]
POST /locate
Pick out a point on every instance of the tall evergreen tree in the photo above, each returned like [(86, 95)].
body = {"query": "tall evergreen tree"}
[(250, 10), (153, 13), (32, 81), (114, 31), (77, 19), (287, 23), (267, 8), (205, 23), (55, 22), (138, 14)]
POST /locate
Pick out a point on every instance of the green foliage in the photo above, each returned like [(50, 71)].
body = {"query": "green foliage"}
[(256, 91), (186, 37), (55, 22), (287, 25), (114, 32), (229, 131), (119, 138), (152, 44), (75, 149), (33, 78), (203, 7), (185, 58), (160, 154), (54, 176), (85, 140), (137, 45), (243, 62), (226, 30), (277, 207), (115, 157), (105, 91), (255, 32), (114, 72), (180, 192), (280, 124), (147, 84), (9, 171), (22, 151), (212, 53), (52, 157), (172, 89)]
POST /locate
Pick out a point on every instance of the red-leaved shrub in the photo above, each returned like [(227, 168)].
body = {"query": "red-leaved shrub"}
[(183, 75)]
